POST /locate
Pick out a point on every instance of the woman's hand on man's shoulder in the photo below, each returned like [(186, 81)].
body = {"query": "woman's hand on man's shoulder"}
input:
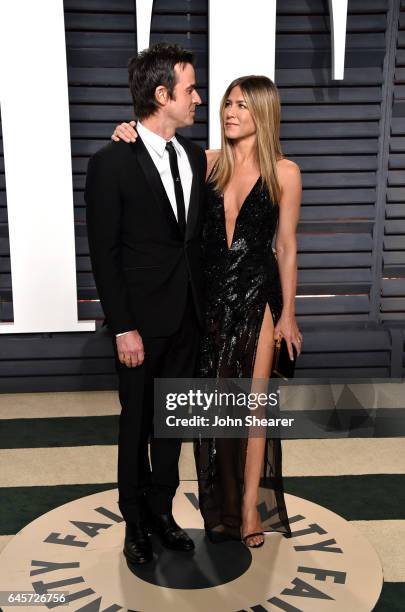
[(125, 132)]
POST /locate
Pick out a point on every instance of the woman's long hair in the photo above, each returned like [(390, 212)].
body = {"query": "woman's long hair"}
[(263, 102)]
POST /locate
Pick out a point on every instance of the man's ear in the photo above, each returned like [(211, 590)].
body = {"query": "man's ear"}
[(161, 95)]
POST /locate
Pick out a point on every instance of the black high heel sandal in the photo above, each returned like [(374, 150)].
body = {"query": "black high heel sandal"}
[(251, 535)]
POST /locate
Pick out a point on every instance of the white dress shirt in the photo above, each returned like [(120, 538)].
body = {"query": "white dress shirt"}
[(156, 147)]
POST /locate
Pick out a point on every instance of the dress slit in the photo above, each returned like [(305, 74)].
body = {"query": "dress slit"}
[(260, 322), (271, 503)]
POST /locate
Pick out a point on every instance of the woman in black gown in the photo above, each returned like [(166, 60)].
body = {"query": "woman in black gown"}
[(254, 195)]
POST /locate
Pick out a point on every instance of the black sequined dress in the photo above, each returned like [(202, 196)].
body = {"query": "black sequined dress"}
[(240, 281)]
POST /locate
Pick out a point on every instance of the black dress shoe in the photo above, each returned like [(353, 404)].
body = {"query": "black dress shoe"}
[(171, 535), (137, 545)]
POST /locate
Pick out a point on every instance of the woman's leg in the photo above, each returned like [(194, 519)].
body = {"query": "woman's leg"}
[(256, 445)]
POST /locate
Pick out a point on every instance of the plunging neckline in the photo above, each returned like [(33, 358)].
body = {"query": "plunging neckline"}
[(229, 247)]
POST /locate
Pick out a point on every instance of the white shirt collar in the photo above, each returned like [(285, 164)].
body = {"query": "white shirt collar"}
[(156, 142)]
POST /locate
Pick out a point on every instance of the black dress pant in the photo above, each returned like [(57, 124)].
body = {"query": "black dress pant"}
[(167, 357)]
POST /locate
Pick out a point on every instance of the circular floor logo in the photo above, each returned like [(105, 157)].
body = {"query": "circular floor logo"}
[(77, 548)]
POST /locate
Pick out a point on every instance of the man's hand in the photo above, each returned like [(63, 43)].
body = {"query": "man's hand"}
[(130, 349), (125, 132)]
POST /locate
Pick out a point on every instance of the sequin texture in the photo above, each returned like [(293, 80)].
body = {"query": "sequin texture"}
[(240, 280)]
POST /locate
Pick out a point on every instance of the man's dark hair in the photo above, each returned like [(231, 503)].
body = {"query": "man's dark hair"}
[(149, 69)]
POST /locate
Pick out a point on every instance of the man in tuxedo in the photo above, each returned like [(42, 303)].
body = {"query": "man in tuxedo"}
[(144, 215)]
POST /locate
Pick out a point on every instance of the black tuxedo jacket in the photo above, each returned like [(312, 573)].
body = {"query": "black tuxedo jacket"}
[(141, 263)]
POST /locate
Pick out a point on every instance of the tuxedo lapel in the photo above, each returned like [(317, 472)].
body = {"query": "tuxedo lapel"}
[(195, 187), (154, 181)]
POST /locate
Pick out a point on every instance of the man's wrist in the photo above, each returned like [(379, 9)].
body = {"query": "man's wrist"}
[(123, 333)]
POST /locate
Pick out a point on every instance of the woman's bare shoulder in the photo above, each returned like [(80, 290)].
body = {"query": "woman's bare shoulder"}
[(288, 171), (287, 166), (212, 156)]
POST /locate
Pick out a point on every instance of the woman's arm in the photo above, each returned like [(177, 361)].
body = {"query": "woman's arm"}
[(289, 177), (212, 156)]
